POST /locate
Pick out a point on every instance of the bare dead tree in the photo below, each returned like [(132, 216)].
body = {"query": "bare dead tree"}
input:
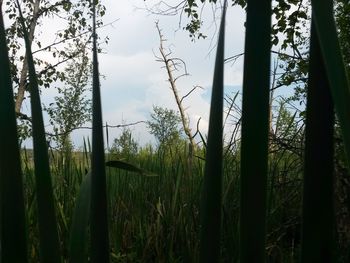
[(173, 64)]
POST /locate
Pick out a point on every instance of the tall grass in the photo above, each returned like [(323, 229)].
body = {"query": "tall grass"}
[(156, 218)]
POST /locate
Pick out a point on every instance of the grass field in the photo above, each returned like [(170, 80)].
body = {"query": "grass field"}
[(156, 218)]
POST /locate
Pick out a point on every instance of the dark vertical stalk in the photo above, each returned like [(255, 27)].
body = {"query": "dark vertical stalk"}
[(48, 234), (212, 186), (99, 222), (323, 18), (318, 211), (255, 129), (13, 232)]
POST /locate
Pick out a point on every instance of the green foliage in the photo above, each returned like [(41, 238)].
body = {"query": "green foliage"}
[(155, 218), (75, 13), (287, 126), (71, 108), (342, 11), (24, 129), (80, 221), (165, 125), (125, 146), (66, 44), (128, 167)]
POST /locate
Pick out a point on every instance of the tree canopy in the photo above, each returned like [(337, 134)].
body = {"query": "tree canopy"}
[(52, 50), (164, 125)]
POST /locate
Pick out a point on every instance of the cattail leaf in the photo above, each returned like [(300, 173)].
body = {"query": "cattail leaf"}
[(128, 167), (13, 233), (255, 131), (212, 185), (318, 210), (99, 222), (49, 242), (334, 64)]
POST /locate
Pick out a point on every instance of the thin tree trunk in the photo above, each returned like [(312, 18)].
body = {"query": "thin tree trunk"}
[(24, 72)]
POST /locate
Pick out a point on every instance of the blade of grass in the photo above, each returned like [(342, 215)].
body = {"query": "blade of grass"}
[(212, 186), (13, 232), (318, 211), (86, 154), (255, 128), (334, 64), (79, 235), (99, 223), (107, 136), (49, 242), (129, 167)]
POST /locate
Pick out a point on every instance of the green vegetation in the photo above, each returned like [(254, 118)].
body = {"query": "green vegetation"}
[(154, 217), (267, 195), (165, 125), (71, 108)]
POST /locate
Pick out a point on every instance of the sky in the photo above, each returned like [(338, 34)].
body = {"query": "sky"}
[(134, 81)]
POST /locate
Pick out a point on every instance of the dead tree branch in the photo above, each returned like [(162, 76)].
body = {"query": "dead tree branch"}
[(171, 65)]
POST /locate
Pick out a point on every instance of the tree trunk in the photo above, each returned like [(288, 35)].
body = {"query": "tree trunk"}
[(24, 72)]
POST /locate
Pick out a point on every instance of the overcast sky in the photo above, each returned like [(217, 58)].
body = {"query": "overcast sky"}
[(134, 81)]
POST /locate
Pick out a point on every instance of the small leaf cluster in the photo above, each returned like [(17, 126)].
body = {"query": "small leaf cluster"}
[(125, 146), (195, 23), (71, 108), (342, 16), (165, 125)]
